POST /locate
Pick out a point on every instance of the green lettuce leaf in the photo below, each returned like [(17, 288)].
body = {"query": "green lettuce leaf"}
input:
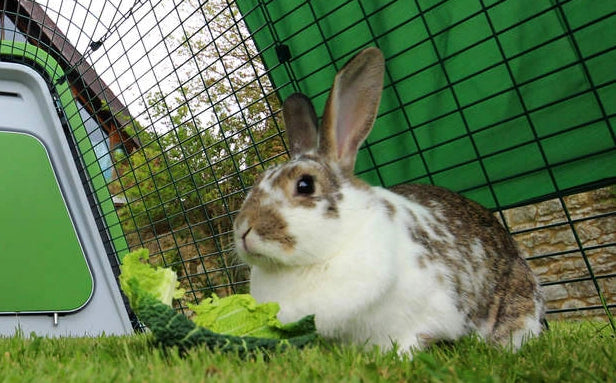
[(239, 315), (160, 282)]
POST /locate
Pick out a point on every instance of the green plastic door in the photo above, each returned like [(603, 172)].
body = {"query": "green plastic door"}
[(42, 264)]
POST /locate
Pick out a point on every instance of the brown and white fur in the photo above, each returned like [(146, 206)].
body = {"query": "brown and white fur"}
[(411, 265)]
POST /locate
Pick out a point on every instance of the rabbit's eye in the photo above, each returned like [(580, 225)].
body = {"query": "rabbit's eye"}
[(305, 185)]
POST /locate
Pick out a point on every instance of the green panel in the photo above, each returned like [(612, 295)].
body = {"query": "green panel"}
[(42, 265), (47, 63), (514, 98)]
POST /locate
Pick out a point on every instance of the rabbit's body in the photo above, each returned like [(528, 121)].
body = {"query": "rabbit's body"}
[(358, 291), (413, 265)]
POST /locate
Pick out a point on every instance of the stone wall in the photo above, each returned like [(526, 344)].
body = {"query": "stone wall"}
[(544, 233)]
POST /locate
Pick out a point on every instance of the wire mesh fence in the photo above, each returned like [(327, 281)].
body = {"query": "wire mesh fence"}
[(508, 102)]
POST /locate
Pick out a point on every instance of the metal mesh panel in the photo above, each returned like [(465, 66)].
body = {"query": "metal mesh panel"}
[(504, 101), (187, 101)]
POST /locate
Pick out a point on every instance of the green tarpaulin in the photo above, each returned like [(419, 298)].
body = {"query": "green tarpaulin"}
[(504, 101)]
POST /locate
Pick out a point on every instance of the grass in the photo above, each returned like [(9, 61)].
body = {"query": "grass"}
[(570, 351)]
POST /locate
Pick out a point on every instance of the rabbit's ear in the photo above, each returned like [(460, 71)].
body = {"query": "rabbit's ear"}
[(300, 121), (352, 107)]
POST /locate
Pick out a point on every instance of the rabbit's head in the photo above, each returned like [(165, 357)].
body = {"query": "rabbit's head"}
[(303, 211)]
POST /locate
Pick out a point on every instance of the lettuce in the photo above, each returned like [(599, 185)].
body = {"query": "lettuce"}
[(160, 282), (241, 315), (236, 323), (237, 315)]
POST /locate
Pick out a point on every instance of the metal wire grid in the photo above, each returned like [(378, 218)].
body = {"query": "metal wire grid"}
[(335, 56), (187, 237), (450, 84), (168, 98), (198, 244), (526, 112), (167, 209), (589, 274)]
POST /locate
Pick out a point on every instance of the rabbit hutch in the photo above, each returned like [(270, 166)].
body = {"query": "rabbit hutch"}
[(144, 124)]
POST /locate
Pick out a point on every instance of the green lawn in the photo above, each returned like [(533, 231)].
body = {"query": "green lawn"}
[(570, 351)]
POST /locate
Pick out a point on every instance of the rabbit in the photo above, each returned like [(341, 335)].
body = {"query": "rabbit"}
[(405, 267)]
